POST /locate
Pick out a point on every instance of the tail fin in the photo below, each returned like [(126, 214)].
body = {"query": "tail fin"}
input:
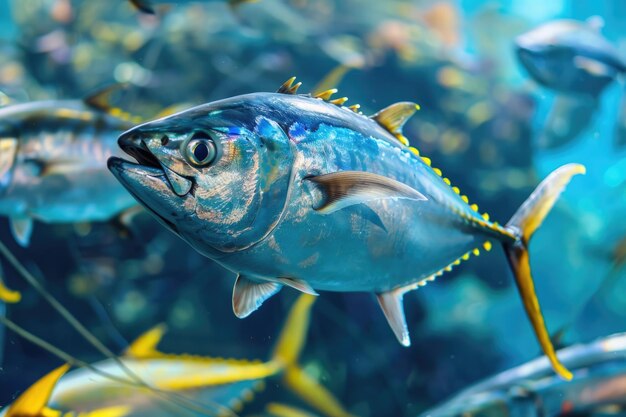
[(523, 224), (293, 336), (287, 352), (34, 400)]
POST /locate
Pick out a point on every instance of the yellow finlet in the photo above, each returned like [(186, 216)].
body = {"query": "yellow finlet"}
[(447, 181), (487, 246), (437, 171), (466, 256), (326, 95), (288, 87), (486, 216), (476, 252), (339, 101), (7, 295), (474, 207), (414, 150), (33, 401), (426, 160), (146, 344), (465, 199), (355, 107)]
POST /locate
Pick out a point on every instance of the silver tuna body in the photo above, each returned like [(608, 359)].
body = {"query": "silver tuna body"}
[(293, 190)]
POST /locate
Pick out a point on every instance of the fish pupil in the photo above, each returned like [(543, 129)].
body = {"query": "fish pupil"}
[(201, 151)]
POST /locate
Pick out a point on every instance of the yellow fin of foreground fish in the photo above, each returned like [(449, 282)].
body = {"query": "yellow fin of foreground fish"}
[(527, 219)]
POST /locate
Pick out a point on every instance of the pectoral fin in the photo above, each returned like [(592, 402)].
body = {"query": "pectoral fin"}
[(22, 229), (347, 188), (248, 295), (391, 303)]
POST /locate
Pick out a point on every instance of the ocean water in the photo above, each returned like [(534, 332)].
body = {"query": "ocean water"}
[(483, 121)]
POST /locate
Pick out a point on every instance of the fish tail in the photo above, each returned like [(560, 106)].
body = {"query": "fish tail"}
[(293, 336), (287, 352), (523, 225)]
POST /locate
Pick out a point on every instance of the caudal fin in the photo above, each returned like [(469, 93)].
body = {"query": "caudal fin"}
[(523, 224), (287, 352)]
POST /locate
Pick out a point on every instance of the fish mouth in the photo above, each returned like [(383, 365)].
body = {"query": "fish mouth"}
[(134, 146)]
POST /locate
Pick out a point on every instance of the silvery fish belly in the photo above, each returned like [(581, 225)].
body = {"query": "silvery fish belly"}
[(299, 190), (530, 390), (53, 164)]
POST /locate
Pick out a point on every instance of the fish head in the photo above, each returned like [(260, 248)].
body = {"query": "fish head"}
[(543, 54), (217, 177)]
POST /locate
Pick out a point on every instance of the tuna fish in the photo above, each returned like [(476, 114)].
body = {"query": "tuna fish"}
[(300, 191), (53, 162)]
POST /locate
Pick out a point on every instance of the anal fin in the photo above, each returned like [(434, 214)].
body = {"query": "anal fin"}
[(248, 295), (392, 306)]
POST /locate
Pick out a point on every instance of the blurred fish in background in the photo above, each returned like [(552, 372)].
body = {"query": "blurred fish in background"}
[(575, 60), (53, 153), (529, 390)]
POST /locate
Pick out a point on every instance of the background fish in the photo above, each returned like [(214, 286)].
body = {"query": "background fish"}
[(573, 59), (531, 390), (340, 185), (147, 382), (570, 57), (53, 163)]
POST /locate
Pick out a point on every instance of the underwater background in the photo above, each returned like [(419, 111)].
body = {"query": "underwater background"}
[(491, 129)]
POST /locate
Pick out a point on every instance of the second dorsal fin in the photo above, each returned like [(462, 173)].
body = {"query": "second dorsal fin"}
[(146, 344), (392, 118)]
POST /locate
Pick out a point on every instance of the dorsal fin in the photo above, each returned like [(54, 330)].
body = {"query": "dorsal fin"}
[(288, 87), (392, 118), (33, 401), (101, 99), (146, 344)]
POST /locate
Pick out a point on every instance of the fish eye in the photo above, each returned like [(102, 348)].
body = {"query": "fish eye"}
[(201, 150)]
